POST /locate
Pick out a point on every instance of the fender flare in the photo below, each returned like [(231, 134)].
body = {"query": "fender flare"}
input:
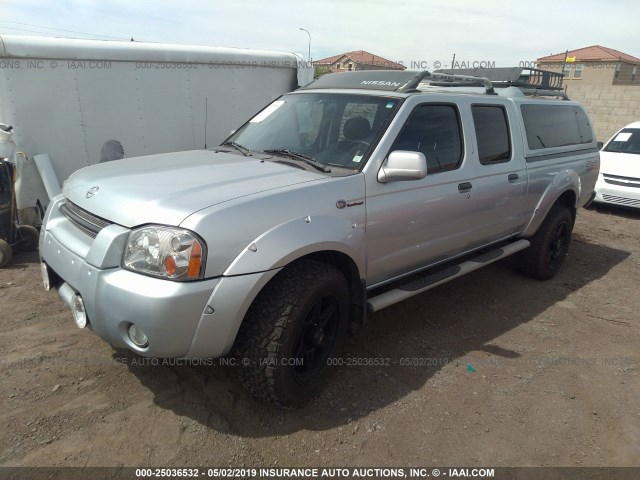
[(285, 243), (258, 263), (563, 181)]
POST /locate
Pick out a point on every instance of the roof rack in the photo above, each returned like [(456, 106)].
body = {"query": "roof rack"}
[(461, 79), (539, 92), (530, 81), (513, 76)]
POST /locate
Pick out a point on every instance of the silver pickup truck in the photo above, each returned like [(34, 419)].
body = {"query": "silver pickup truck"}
[(353, 193)]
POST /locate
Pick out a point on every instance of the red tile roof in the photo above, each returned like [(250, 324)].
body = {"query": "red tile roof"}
[(361, 58), (330, 59), (592, 53)]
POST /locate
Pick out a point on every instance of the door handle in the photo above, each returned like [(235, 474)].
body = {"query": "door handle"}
[(513, 177), (464, 187)]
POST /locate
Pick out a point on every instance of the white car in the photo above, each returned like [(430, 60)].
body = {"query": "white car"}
[(619, 179)]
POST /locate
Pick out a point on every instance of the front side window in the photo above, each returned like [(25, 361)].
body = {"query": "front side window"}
[(433, 130), (627, 141), (333, 129), (492, 133)]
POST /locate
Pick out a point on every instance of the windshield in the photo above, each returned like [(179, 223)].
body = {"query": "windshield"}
[(332, 129), (627, 141)]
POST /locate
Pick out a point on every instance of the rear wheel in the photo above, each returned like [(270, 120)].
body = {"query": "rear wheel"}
[(291, 331), (5, 253), (549, 246)]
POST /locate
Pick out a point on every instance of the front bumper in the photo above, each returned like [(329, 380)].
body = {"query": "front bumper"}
[(168, 312), (180, 319), (624, 196)]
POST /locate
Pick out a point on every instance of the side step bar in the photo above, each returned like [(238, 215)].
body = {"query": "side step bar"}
[(422, 284)]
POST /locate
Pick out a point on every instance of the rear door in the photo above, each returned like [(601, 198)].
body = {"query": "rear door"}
[(500, 176)]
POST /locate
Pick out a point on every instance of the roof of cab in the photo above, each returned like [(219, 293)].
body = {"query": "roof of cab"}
[(392, 81)]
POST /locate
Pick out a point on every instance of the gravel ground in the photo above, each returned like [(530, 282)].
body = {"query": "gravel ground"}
[(492, 369)]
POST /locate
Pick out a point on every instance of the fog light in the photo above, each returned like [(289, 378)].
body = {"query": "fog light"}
[(79, 314), (137, 336)]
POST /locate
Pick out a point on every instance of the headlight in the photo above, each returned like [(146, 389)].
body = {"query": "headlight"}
[(165, 252)]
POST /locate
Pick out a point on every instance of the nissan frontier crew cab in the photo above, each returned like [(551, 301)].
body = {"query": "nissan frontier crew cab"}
[(344, 197)]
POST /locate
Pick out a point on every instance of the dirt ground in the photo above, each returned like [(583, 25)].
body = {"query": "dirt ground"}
[(492, 369)]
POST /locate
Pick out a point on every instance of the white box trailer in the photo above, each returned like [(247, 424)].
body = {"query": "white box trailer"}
[(75, 103)]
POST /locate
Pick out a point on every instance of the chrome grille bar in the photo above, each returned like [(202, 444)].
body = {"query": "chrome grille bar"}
[(86, 222)]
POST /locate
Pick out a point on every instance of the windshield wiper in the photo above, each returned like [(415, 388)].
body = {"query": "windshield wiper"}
[(299, 156), (243, 150)]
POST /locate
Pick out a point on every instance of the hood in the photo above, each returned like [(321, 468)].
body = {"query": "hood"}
[(620, 164), (167, 188)]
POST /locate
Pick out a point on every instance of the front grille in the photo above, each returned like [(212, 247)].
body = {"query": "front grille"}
[(622, 181), (630, 202), (86, 222)]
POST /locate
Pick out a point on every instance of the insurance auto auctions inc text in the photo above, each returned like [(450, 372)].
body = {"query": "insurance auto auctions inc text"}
[(354, 472)]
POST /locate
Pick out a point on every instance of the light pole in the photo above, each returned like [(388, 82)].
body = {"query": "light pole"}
[(305, 30)]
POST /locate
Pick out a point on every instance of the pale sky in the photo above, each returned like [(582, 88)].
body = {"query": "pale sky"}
[(416, 33)]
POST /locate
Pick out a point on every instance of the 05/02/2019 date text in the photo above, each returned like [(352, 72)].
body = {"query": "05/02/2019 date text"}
[(386, 361)]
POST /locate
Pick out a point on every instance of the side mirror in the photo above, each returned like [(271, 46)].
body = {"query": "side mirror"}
[(600, 145), (403, 165)]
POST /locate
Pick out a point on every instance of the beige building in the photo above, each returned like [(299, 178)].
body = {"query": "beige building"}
[(356, 60), (605, 80)]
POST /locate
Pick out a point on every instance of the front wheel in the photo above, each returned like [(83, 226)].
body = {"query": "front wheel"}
[(291, 332), (549, 246)]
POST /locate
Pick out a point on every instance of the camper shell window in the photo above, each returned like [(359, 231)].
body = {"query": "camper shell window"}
[(555, 125)]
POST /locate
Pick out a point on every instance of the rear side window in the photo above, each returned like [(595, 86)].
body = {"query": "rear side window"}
[(433, 130), (492, 133), (555, 126)]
